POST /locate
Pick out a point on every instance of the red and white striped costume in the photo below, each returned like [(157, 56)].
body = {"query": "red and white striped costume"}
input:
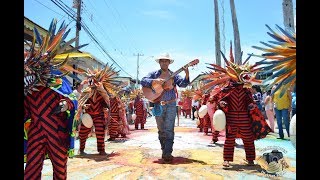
[(140, 112), (116, 124), (239, 122), (95, 110), (48, 133)]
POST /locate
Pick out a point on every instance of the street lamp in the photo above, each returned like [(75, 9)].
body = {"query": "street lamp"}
[(138, 65)]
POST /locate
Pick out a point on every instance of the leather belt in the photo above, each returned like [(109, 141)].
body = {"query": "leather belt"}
[(167, 102)]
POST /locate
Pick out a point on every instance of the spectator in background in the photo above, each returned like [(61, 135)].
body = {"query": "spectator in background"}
[(282, 107), (195, 104), (257, 96), (77, 89), (268, 105)]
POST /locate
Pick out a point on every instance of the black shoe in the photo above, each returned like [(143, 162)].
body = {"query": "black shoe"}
[(167, 158), (214, 141), (280, 138), (123, 136), (249, 163), (111, 139), (82, 153)]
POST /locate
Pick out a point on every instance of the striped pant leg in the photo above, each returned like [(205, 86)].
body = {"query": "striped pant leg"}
[(36, 150), (206, 123), (248, 142), (113, 127), (99, 125), (136, 122), (83, 136), (58, 154), (215, 135), (201, 120), (228, 148)]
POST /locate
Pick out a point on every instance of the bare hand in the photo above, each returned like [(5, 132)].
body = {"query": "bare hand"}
[(64, 105), (186, 70), (222, 104), (251, 106), (85, 106)]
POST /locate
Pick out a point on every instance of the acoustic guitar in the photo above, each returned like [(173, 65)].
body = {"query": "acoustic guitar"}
[(155, 92)]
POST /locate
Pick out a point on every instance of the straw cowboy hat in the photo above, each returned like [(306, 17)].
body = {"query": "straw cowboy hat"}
[(164, 56)]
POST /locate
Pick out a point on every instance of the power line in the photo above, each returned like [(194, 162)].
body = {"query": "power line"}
[(50, 9), (121, 25), (71, 13), (100, 45), (100, 29)]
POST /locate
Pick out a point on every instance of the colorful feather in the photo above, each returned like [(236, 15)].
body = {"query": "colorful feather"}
[(281, 59)]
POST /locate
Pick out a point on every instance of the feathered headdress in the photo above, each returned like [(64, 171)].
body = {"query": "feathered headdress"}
[(187, 93), (39, 59), (107, 76), (280, 59), (134, 93), (240, 73)]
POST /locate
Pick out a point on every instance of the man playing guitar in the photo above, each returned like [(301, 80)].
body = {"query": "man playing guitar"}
[(160, 80)]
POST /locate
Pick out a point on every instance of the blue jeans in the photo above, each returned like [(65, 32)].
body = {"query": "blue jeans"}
[(284, 113), (165, 124), (293, 112)]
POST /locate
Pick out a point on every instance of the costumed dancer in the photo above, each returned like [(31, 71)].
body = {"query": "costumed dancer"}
[(50, 112), (206, 119), (116, 124), (187, 103), (95, 102), (243, 118), (139, 110), (123, 116), (211, 110)]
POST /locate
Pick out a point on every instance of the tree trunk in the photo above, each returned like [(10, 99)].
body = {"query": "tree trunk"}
[(236, 35), (217, 32), (288, 17)]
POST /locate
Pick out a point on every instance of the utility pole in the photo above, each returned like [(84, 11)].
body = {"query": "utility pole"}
[(77, 4), (288, 17), (138, 55), (236, 34), (217, 32)]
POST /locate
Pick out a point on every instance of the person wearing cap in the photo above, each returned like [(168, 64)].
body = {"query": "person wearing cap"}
[(166, 119)]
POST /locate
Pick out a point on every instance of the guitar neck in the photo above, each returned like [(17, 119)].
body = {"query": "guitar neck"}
[(196, 61), (174, 74)]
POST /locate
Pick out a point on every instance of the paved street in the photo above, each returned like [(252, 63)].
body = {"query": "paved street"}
[(139, 157)]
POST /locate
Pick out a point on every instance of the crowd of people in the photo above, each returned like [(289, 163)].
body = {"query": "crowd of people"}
[(54, 114)]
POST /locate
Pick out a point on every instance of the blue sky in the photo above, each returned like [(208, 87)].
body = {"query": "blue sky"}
[(183, 28)]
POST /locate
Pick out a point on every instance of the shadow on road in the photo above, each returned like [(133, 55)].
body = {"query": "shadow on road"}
[(243, 167), (97, 157), (122, 140), (180, 160)]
